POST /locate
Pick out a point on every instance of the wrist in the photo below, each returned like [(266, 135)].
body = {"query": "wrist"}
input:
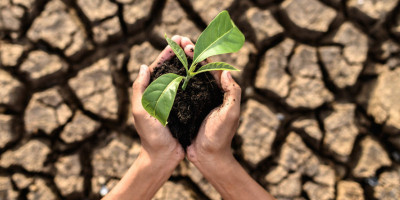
[(230, 179), (221, 173), (211, 163), (165, 160), (144, 178)]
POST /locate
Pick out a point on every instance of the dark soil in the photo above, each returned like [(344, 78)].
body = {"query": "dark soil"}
[(191, 106)]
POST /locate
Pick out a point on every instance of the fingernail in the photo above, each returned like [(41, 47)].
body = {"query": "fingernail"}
[(190, 47), (143, 69)]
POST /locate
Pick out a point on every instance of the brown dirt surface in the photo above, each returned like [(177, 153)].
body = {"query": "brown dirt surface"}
[(320, 112)]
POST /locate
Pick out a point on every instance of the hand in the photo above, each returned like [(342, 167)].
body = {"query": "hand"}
[(156, 139), (211, 151), (160, 152), (213, 141)]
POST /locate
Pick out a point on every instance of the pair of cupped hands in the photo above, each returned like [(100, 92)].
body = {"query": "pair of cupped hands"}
[(210, 152), (213, 142)]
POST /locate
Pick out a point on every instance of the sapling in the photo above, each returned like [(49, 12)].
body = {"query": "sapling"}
[(221, 36)]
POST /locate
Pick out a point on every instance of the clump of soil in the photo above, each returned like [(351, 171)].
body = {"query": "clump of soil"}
[(191, 106)]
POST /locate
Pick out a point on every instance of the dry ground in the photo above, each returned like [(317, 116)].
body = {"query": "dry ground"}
[(320, 78)]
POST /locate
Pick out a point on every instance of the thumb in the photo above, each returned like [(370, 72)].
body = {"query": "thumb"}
[(140, 84), (232, 94)]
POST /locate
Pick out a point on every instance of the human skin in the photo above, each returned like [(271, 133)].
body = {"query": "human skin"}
[(209, 152), (160, 153)]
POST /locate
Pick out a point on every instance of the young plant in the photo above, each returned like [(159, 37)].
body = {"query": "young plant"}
[(221, 36)]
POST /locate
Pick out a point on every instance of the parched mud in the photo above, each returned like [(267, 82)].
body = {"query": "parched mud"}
[(320, 80)]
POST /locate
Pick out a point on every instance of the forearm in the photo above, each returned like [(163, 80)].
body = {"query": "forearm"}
[(231, 180), (143, 179)]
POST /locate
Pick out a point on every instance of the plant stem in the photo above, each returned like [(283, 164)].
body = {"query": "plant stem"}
[(187, 78)]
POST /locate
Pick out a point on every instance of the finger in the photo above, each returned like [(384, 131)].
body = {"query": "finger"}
[(187, 46), (232, 96), (177, 39), (189, 50), (186, 41), (165, 54), (217, 76), (139, 86)]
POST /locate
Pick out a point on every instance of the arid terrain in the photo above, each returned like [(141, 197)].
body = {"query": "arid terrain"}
[(320, 104)]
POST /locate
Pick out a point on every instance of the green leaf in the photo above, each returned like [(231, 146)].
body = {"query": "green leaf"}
[(178, 52), (216, 66), (159, 96), (221, 36)]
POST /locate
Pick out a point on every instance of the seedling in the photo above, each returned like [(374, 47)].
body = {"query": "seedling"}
[(221, 36)]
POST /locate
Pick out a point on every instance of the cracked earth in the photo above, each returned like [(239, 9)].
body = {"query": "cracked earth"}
[(320, 78)]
